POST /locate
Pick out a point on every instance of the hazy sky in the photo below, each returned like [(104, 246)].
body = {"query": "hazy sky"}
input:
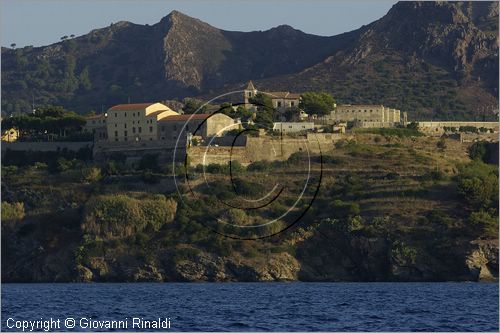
[(42, 22)]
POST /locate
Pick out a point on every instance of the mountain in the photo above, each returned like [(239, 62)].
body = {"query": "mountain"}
[(431, 59)]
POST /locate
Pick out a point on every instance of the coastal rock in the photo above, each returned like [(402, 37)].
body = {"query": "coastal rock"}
[(482, 261), (83, 274), (148, 273)]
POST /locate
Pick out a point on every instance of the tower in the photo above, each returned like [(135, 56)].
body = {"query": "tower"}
[(249, 93)]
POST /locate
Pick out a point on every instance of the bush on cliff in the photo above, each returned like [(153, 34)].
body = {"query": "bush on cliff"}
[(478, 184), (12, 211), (116, 216)]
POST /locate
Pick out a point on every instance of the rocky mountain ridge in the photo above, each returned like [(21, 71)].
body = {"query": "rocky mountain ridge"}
[(428, 58)]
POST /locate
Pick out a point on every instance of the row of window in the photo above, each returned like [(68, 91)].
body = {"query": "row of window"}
[(139, 129), (279, 104)]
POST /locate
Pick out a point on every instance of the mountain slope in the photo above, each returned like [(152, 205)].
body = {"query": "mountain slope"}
[(431, 59)]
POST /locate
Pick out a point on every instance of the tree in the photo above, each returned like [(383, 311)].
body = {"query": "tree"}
[(317, 103), (192, 105), (291, 113), (227, 109), (85, 82), (265, 110), (13, 45), (64, 37)]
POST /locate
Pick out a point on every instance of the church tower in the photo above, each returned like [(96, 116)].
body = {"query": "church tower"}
[(249, 93)]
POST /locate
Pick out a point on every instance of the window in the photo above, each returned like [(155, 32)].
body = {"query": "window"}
[(125, 114), (116, 114), (116, 125), (116, 133), (133, 129), (124, 133), (150, 129), (140, 129), (292, 103), (279, 104), (163, 128), (124, 125), (175, 127)]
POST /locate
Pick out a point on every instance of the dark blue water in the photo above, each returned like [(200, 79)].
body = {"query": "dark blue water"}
[(263, 306)]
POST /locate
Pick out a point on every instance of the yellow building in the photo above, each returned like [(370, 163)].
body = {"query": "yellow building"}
[(10, 135), (135, 122), (203, 125)]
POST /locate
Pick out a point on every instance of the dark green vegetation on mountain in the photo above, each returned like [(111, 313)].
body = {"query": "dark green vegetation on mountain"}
[(432, 59), (389, 209)]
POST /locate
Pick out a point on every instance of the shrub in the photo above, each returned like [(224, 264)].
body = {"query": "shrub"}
[(441, 144), (12, 211), (236, 166), (487, 221), (484, 151), (216, 168), (61, 165), (434, 175), (259, 166), (111, 168), (91, 175), (403, 254), (115, 216), (245, 187), (478, 184), (297, 157)]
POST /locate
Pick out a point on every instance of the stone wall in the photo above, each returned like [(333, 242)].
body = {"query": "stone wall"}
[(45, 146), (264, 148)]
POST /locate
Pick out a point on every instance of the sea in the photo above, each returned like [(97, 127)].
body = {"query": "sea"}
[(250, 307)]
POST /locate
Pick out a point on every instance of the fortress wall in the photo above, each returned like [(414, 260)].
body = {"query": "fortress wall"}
[(264, 148), (45, 146)]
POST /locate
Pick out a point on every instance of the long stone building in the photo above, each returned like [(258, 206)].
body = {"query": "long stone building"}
[(441, 127), (366, 115)]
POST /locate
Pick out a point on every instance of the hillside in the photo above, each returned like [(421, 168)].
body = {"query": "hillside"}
[(431, 59), (388, 209)]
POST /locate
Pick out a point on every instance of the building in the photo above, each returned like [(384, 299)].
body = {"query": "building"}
[(438, 128), (96, 124), (292, 127), (281, 99), (366, 115), (10, 135), (199, 125), (135, 122)]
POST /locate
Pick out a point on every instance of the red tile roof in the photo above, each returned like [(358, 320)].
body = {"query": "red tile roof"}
[(137, 106), (186, 117), (283, 94)]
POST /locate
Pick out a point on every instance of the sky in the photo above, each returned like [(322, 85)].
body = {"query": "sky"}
[(43, 22)]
